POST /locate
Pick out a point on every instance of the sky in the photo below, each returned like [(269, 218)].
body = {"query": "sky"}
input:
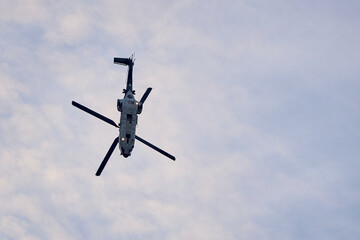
[(258, 100)]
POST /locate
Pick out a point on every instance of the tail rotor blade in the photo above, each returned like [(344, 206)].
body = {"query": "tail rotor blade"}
[(146, 94), (95, 114), (155, 148), (108, 154)]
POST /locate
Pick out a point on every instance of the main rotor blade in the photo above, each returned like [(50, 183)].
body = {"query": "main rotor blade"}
[(155, 147), (95, 114), (108, 154), (146, 94)]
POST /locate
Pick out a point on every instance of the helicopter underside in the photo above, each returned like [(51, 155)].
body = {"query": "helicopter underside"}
[(128, 121)]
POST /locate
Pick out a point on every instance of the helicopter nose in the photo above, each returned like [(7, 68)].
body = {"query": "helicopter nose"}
[(123, 152)]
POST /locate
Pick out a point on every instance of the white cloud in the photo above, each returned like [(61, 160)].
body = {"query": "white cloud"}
[(69, 29), (241, 96), (33, 11)]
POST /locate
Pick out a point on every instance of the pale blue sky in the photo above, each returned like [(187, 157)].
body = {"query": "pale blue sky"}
[(258, 101)]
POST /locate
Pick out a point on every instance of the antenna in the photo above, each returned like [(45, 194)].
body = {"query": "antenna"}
[(133, 57)]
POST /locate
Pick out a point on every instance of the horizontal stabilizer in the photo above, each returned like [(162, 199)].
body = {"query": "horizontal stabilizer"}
[(124, 61)]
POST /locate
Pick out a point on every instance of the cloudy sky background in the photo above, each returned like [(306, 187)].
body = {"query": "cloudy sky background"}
[(258, 100)]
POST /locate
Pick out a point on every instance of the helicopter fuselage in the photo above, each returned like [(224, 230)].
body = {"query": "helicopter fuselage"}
[(129, 109)]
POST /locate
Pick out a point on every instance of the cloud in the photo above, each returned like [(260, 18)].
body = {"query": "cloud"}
[(32, 11), (69, 29), (257, 101)]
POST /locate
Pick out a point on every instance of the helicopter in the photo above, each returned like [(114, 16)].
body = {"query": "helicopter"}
[(129, 108)]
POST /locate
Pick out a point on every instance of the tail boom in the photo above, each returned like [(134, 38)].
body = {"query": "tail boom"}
[(127, 62)]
